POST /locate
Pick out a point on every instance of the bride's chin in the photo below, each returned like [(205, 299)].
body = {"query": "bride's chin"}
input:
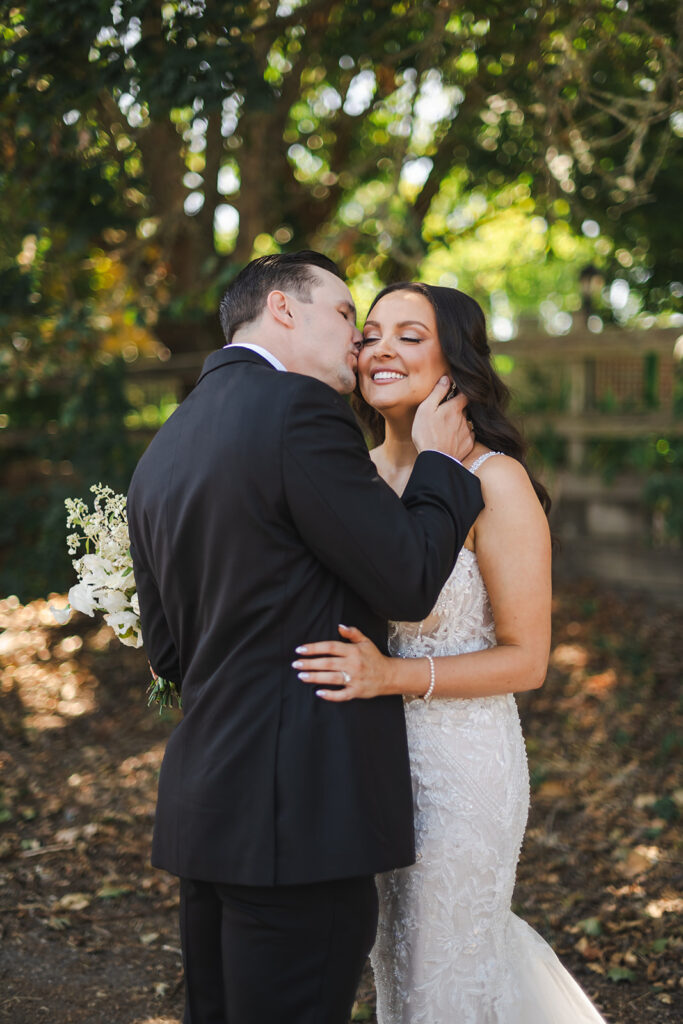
[(381, 400), (393, 409)]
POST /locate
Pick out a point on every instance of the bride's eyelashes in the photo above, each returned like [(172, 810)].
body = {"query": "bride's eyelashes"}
[(370, 340)]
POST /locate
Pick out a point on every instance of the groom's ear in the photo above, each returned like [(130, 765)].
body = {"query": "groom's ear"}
[(280, 307)]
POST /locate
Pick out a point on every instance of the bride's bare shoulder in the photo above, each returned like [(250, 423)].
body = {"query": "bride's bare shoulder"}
[(505, 486), (501, 467), (502, 472)]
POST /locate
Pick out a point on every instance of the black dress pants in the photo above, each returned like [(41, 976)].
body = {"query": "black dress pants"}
[(290, 954)]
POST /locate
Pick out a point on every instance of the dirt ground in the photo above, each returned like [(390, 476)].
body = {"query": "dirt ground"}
[(88, 930)]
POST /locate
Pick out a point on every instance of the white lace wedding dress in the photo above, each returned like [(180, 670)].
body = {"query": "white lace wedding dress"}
[(448, 949)]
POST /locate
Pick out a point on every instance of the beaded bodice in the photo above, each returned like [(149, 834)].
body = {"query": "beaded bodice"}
[(461, 620)]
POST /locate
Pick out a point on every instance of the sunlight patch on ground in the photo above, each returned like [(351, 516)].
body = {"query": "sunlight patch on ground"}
[(38, 668), (656, 908), (140, 773), (158, 1020), (566, 656)]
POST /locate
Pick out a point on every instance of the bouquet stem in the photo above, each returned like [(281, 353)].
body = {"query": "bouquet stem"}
[(163, 692)]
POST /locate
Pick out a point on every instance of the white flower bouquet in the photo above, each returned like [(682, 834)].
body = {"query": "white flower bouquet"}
[(105, 574)]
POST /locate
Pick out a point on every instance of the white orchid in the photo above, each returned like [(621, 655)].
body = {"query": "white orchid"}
[(105, 573), (82, 598), (121, 622), (105, 570), (97, 565), (112, 601), (126, 626), (132, 639), (61, 615)]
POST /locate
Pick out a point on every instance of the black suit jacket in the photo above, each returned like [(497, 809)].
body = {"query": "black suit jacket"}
[(257, 522)]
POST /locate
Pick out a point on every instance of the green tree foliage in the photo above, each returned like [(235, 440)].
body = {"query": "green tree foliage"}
[(149, 149), (359, 127), (71, 435)]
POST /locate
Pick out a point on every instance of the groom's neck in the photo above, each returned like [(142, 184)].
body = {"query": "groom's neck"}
[(273, 345)]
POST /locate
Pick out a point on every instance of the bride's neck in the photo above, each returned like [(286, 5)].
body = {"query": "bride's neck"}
[(398, 448)]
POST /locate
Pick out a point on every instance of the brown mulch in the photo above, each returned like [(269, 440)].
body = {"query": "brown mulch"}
[(88, 930)]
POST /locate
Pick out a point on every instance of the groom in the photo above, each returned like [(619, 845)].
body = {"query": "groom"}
[(257, 521)]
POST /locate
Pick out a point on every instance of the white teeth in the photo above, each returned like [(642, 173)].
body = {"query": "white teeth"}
[(388, 375)]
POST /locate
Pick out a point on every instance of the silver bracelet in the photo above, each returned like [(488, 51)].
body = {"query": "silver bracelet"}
[(432, 679)]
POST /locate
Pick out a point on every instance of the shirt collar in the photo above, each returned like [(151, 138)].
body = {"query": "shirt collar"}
[(263, 352)]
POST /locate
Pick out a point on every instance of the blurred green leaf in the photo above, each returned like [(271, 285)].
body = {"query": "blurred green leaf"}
[(621, 974), (361, 1011)]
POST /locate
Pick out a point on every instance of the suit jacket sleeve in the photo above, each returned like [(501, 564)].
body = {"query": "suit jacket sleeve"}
[(159, 646), (395, 553)]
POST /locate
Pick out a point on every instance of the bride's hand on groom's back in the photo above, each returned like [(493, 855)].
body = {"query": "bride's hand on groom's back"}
[(443, 426), (356, 669)]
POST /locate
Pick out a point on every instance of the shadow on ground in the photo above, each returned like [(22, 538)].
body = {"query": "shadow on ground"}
[(88, 929)]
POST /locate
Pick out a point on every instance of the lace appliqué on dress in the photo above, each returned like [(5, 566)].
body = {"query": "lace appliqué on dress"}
[(448, 948), (440, 949)]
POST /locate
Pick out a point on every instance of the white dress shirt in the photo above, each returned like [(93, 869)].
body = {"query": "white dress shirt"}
[(273, 360)]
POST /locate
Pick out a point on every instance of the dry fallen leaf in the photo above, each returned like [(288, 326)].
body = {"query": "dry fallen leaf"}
[(638, 860), (587, 949), (552, 789), (74, 901)]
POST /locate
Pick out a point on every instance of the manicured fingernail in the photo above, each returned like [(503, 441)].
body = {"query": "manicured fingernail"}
[(301, 650), (342, 626), (320, 693), (297, 664), (444, 380), (304, 675)]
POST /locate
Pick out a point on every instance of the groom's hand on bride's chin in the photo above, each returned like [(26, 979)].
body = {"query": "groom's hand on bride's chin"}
[(442, 426)]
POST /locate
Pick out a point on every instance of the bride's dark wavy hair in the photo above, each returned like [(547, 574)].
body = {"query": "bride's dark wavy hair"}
[(461, 328)]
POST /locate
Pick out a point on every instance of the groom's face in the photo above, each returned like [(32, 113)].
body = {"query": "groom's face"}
[(328, 340)]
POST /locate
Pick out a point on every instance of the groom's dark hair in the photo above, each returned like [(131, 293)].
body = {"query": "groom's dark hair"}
[(245, 298)]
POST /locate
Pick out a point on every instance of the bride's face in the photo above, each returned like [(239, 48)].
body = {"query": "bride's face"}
[(401, 359)]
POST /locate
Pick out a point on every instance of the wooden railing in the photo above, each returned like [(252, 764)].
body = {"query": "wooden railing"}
[(574, 356), (606, 529)]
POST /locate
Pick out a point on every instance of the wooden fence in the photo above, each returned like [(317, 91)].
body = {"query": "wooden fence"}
[(634, 369), (577, 389), (615, 386)]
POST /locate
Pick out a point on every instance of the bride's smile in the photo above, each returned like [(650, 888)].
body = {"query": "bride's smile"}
[(387, 376), (401, 358)]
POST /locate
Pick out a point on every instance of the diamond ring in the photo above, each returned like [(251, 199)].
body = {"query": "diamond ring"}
[(346, 677)]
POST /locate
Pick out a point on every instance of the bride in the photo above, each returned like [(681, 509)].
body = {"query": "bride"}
[(448, 949)]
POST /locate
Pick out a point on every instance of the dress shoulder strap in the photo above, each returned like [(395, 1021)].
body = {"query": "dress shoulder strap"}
[(482, 458)]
